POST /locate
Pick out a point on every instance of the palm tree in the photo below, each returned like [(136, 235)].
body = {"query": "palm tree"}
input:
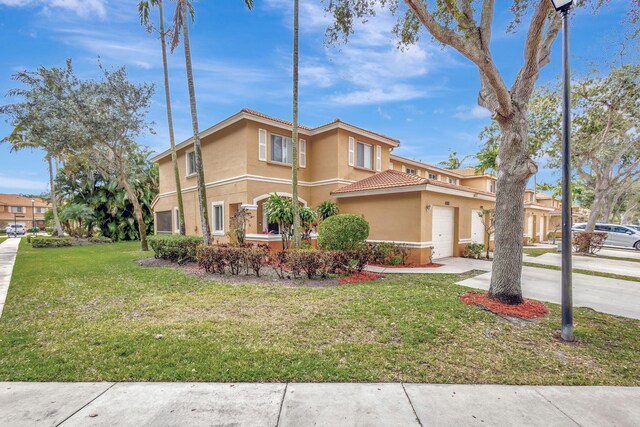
[(143, 9), (184, 9), (294, 133)]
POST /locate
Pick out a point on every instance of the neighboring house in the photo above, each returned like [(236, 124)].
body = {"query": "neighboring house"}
[(22, 210), (247, 157)]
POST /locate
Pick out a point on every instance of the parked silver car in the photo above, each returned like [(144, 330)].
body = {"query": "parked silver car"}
[(635, 227), (617, 235), (18, 229)]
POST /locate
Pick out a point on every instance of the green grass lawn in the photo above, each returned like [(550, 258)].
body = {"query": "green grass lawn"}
[(91, 314), (538, 251), (3, 238)]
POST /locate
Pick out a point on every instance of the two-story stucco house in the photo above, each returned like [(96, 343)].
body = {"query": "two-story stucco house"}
[(22, 210), (247, 157)]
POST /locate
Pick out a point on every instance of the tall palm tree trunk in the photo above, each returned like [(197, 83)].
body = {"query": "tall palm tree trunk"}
[(57, 228), (167, 93), (294, 133), (202, 195)]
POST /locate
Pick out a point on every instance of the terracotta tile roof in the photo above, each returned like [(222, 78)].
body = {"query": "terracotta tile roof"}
[(18, 200), (386, 179), (396, 179), (264, 116)]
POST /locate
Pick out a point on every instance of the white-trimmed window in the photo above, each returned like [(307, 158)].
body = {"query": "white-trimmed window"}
[(303, 153), (16, 209), (191, 163), (492, 186), (452, 180), (410, 171), (217, 218), (40, 210), (364, 155), (281, 149), (433, 176), (176, 220)]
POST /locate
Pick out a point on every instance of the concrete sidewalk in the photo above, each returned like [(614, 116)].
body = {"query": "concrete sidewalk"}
[(324, 404), (8, 251)]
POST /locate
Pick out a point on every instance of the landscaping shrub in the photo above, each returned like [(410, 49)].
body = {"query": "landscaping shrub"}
[(343, 232), (388, 253), (100, 239), (50, 242), (473, 250), (211, 258), (180, 249), (338, 261), (49, 230), (589, 242), (360, 257), (311, 262), (233, 257), (280, 264), (256, 257)]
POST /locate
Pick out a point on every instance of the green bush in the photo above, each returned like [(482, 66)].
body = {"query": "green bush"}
[(473, 250), (180, 249), (50, 242), (343, 232), (217, 258), (48, 229), (100, 239)]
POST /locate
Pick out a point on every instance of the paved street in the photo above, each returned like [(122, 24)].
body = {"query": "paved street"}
[(325, 404), (603, 265)]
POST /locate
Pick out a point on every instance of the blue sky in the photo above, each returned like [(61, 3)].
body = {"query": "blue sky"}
[(424, 96)]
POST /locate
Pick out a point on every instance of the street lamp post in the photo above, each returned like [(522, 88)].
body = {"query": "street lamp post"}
[(33, 215), (563, 7)]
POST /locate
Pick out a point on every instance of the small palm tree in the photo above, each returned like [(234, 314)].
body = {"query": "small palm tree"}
[(143, 9), (184, 10)]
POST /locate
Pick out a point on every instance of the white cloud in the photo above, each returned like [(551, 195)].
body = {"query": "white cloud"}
[(11, 184), (85, 8), (312, 14), (464, 112), (377, 95)]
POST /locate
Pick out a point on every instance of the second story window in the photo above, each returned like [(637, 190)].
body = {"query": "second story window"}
[(452, 180), (281, 149), (16, 209), (40, 210), (364, 155), (433, 176), (410, 171), (492, 186), (191, 163)]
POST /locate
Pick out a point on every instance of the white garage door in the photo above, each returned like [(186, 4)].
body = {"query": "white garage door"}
[(442, 234), (477, 228)]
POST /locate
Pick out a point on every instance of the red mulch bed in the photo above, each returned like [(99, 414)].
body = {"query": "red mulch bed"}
[(365, 276), (529, 309), (432, 265)]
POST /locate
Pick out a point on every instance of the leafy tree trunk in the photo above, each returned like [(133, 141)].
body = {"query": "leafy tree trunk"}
[(514, 170), (202, 195), (294, 136), (57, 228), (167, 93), (597, 208)]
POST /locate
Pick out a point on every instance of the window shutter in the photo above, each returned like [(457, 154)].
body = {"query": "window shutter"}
[(262, 145), (303, 153), (352, 150), (404, 169), (419, 172), (378, 158)]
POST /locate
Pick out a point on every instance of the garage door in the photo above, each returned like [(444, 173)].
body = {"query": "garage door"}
[(477, 228), (442, 233)]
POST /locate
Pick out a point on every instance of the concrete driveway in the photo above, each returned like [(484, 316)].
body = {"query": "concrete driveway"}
[(603, 265), (612, 296)]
